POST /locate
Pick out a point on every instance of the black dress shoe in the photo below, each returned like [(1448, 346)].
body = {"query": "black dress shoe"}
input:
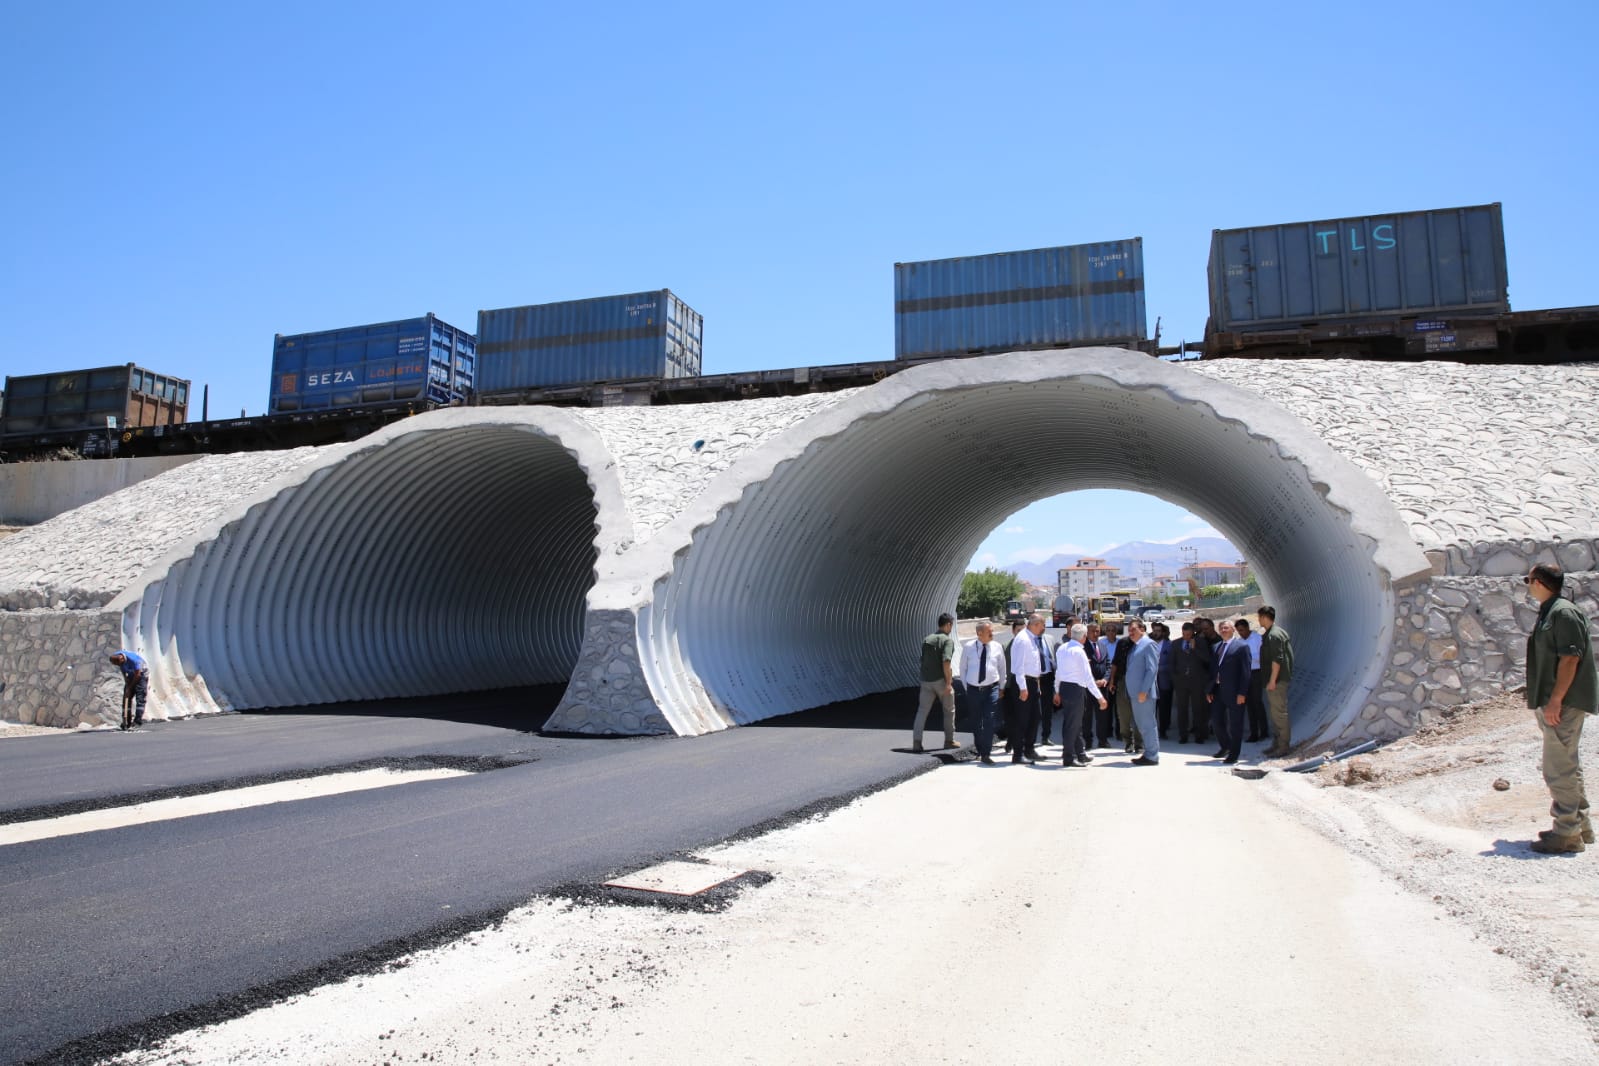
[(1083, 760), (1222, 754), (986, 760), (1230, 759), (1144, 760)]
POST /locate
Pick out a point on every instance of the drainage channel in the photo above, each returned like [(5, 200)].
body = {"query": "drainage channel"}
[(184, 801)]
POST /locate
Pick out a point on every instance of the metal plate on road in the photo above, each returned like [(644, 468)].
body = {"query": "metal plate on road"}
[(677, 878)]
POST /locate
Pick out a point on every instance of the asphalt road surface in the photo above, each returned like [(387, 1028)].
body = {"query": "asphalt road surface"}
[(104, 932)]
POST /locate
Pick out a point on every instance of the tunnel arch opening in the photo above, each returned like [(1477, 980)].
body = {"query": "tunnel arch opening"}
[(815, 585), (1132, 541), (452, 554)]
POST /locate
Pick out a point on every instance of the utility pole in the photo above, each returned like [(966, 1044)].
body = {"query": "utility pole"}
[(1190, 557)]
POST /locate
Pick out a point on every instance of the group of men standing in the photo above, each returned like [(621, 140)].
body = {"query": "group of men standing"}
[(1211, 679)]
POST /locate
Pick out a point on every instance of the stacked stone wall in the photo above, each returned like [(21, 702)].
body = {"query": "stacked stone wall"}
[(1461, 639), (603, 695), (55, 670)]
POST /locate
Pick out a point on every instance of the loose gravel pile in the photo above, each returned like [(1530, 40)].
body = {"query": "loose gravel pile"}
[(16, 729)]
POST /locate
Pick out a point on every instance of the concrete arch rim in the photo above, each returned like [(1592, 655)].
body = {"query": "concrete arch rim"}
[(634, 583)]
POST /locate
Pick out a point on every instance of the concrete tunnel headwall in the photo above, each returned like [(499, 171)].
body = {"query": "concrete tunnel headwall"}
[(809, 571), (451, 552)]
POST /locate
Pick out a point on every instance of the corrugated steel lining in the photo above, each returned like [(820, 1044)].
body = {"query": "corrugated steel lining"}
[(1301, 273), (857, 585), (1042, 298), (421, 359), (450, 553), (608, 338)]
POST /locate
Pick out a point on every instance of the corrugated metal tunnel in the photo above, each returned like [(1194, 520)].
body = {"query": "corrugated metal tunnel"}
[(818, 583), (435, 562)]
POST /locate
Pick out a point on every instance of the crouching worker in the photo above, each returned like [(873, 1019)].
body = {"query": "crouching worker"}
[(135, 686)]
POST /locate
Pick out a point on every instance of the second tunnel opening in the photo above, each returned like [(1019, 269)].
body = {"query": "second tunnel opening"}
[(439, 563)]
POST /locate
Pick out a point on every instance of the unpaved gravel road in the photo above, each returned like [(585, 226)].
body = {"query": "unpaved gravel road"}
[(974, 914)]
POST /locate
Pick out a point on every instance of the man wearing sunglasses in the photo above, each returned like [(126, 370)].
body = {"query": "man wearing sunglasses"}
[(1562, 690)]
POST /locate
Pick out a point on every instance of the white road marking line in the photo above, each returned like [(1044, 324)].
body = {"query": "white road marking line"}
[(213, 802)]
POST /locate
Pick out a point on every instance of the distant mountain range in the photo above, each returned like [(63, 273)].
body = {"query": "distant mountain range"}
[(1167, 558)]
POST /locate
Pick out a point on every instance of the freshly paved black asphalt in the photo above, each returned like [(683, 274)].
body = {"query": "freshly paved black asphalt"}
[(105, 931)]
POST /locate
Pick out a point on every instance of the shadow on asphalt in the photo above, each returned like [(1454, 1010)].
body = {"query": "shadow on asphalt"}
[(881, 710), (522, 709)]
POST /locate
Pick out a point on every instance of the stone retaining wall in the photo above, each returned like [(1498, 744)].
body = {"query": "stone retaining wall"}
[(1461, 639), (34, 492), (54, 667)]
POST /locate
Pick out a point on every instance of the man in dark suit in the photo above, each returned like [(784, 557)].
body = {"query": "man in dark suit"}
[(1126, 729), (1007, 702), (1229, 691), (1190, 680), (1093, 714), (1046, 706)]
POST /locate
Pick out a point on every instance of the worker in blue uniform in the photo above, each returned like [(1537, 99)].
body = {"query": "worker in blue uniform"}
[(135, 686)]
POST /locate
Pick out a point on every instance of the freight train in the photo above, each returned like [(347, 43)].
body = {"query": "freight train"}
[(1411, 285)]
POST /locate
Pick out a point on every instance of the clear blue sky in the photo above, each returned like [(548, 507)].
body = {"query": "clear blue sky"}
[(184, 180)]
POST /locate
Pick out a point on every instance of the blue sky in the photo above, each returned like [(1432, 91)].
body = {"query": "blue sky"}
[(1085, 524), (183, 180)]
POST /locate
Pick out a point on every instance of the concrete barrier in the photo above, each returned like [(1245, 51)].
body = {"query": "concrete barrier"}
[(33, 492)]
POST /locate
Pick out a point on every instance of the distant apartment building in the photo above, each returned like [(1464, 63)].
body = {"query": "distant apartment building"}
[(1214, 573), (1090, 577)]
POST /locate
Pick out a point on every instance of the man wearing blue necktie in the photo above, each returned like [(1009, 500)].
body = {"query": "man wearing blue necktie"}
[(983, 679), (1046, 681), (1229, 690)]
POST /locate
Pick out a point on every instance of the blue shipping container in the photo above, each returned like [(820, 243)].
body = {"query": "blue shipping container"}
[(1416, 263), (1010, 301), (421, 360), (608, 338)]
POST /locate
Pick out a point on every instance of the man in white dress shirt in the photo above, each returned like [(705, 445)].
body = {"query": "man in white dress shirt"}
[(983, 675), (1030, 660), (1074, 687)]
